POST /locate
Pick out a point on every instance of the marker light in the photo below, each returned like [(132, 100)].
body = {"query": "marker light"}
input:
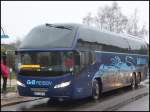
[(61, 85), (20, 84), (29, 66)]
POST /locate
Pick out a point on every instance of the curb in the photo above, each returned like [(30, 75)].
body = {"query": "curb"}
[(17, 102), (117, 106)]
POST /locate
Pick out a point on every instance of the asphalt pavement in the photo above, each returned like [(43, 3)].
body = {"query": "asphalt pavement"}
[(138, 105), (12, 97), (123, 99)]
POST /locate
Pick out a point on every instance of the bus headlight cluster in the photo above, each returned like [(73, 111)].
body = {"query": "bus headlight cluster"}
[(61, 85), (20, 84)]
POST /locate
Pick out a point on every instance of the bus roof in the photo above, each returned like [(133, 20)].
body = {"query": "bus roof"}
[(55, 36), (108, 38)]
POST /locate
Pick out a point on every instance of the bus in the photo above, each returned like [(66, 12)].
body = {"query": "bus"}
[(74, 61)]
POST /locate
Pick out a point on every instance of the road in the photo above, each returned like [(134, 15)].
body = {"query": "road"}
[(140, 105), (113, 100)]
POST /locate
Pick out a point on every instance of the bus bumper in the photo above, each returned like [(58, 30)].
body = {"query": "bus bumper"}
[(50, 93), (37, 87)]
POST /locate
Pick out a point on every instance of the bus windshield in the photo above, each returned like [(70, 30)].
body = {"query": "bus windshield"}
[(46, 37), (63, 62)]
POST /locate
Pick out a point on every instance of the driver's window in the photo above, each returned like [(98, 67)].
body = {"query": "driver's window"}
[(77, 62)]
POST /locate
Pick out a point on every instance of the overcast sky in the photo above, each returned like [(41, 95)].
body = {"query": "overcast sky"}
[(19, 17)]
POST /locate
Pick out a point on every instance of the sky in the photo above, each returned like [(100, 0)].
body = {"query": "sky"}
[(19, 17)]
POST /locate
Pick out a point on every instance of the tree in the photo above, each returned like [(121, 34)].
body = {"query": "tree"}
[(108, 18), (133, 24), (143, 32), (88, 19), (99, 20), (112, 19)]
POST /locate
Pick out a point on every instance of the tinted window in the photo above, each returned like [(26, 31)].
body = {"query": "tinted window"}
[(83, 45), (50, 63), (82, 60), (45, 36), (86, 58), (92, 57), (137, 46), (104, 38)]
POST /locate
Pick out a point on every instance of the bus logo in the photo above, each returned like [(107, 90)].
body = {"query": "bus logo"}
[(40, 83), (30, 82)]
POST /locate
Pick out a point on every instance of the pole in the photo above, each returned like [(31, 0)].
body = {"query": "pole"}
[(10, 75)]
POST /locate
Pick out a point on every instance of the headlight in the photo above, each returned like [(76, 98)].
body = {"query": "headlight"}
[(64, 84), (19, 66), (130, 74), (20, 84)]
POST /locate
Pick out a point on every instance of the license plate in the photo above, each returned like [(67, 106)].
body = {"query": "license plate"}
[(39, 93)]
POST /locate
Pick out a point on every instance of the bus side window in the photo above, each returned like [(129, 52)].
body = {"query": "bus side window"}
[(84, 59), (92, 57), (77, 62), (77, 59)]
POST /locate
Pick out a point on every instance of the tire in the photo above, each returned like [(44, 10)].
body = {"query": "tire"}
[(138, 78), (134, 82), (96, 90)]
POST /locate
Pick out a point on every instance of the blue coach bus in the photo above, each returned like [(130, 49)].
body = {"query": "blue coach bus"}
[(97, 62)]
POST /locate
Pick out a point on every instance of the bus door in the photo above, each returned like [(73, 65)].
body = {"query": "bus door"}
[(85, 64), (85, 71)]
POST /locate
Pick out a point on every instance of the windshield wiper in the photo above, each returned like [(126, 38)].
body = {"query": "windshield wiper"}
[(62, 27)]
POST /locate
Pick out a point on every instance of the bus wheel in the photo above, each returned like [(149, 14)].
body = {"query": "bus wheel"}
[(139, 78), (134, 81), (95, 90)]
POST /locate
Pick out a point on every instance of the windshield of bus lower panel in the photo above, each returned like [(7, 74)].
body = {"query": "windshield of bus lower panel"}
[(47, 63)]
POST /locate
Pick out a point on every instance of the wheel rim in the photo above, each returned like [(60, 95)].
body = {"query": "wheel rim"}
[(97, 90)]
